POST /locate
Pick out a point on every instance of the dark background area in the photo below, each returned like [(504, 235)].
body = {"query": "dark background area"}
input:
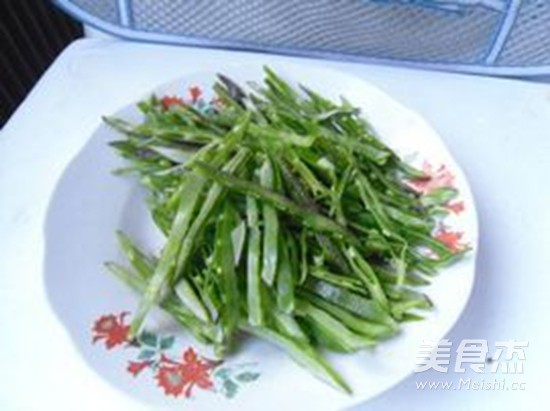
[(32, 34)]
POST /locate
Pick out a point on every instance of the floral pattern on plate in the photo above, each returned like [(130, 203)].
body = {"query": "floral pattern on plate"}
[(176, 374)]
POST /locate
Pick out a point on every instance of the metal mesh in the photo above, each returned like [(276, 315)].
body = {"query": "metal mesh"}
[(104, 9), (487, 36), (529, 41), (343, 26)]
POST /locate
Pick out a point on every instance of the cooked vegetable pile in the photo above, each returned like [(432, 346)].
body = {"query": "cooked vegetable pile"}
[(285, 217)]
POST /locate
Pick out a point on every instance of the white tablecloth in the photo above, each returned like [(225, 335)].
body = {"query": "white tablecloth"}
[(497, 129)]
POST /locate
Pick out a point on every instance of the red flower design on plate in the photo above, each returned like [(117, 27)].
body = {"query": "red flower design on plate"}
[(112, 329), (171, 380), (180, 377), (456, 207), (135, 367), (452, 239), (195, 93), (170, 101), (175, 375), (435, 178)]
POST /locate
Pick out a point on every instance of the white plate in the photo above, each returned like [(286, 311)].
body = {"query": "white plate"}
[(90, 204)]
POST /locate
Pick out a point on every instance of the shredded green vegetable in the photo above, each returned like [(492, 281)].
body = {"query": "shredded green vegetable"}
[(285, 217)]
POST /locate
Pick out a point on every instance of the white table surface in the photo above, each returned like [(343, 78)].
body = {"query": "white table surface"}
[(497, 129)]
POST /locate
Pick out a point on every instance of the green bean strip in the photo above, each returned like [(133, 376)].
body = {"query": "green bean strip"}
[(302, 354), (310, 219), (285, 281), (373, 330), (228, 278), (165, 266), (254, 299), (366, 274), (213, 198), (369, 198), (271, 228), (142, 264), (331, 330), (201, 331)]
